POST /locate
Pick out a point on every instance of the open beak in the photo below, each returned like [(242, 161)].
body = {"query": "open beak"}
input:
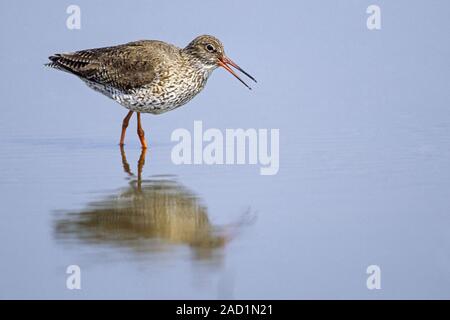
[(226, 62)]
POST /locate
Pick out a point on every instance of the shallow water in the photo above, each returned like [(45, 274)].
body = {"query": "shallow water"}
[(364, 174)]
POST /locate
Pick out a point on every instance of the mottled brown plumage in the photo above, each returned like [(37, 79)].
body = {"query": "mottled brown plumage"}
[(147, 76), (124, 67)]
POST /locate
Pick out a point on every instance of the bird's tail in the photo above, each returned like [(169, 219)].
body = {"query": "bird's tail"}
[(66, 62), (54, 62)]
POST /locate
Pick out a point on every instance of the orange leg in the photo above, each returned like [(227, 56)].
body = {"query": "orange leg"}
[(125, 122), (140, 132)]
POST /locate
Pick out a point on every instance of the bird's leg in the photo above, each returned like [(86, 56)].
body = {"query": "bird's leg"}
[(140, 132), (125, 122)]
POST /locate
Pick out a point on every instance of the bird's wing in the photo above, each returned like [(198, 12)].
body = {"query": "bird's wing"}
[(125, 67)]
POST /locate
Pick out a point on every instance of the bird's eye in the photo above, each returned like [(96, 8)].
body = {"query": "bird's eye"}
[(210, 48)]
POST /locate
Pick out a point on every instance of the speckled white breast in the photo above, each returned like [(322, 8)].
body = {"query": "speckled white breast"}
[(153, 98)]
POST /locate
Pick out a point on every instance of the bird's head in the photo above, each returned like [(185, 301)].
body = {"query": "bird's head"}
[(209, 51)]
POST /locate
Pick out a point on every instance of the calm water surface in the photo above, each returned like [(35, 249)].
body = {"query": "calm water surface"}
[(364, 160)]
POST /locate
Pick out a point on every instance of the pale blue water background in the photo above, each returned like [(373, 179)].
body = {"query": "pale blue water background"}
[(364, 119)]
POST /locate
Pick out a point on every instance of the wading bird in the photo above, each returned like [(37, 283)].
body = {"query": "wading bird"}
[(148, 76)]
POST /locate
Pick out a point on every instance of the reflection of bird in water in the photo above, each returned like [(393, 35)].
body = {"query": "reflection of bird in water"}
[(147, 216)]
